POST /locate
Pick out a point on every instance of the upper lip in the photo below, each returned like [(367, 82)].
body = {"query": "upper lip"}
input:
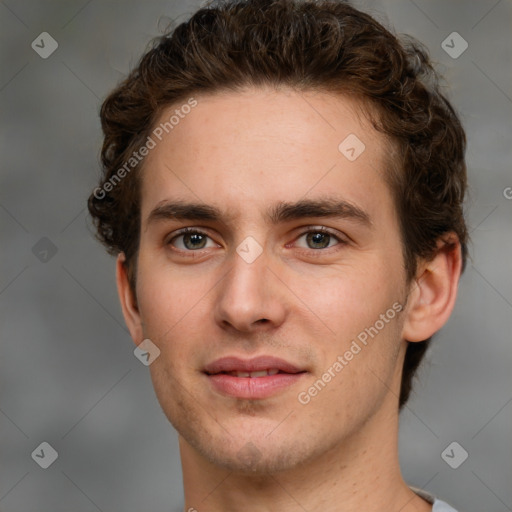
[(234, 364)]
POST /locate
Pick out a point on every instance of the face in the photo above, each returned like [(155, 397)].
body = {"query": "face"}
[(292, 262)]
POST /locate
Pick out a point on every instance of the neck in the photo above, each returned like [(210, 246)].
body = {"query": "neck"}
[(362, 473)]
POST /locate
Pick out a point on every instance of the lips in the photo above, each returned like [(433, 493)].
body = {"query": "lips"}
[(258, 364), (256, 378), (253, 375)]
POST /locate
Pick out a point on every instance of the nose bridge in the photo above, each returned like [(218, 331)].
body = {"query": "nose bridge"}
[(248, 292)]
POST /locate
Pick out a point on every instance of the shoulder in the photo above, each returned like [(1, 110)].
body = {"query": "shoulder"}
[(441, 506)]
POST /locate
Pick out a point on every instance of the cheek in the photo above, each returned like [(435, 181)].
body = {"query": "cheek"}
[(348, 306), (356, 376), (173, 305), (169, 301), (347, 299)]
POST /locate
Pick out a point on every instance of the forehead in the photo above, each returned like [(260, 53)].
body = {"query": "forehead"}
[(239, 150)]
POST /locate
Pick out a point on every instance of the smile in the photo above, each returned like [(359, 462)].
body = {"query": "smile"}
[(257, 378)]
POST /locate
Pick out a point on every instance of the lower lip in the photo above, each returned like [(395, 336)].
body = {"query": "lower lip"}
[(253, 387)]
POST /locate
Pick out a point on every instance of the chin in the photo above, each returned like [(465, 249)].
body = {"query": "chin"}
[(252, 459), (243, 439), (249, 450)]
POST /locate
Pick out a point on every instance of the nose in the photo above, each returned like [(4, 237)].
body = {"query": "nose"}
[(250, 297)]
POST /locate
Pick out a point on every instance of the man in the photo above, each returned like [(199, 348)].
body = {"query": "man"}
[(283, 187)]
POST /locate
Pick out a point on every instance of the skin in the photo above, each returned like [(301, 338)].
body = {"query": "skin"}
[(243, 152)]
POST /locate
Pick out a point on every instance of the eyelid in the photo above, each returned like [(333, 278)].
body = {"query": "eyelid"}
[(318, 229)]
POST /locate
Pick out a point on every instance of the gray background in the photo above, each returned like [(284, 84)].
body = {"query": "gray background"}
[(68, 375)]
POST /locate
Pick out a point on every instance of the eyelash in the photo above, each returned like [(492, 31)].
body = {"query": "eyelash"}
[(194, 231)]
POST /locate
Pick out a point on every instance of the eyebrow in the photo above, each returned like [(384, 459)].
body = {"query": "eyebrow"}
[(278, 213)]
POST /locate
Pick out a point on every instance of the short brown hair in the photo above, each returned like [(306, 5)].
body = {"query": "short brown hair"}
[(306, 45)]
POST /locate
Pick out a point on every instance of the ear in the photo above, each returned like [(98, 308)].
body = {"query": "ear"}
[(432, 294), (128, 301)]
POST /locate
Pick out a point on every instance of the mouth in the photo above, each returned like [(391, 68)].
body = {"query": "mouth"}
[(252, 375), (256, 378)]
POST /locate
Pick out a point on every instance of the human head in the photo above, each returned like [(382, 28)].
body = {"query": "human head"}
[(307, 46)]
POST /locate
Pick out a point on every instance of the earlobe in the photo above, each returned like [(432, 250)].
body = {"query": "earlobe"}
[(434, 291), (128, 301)]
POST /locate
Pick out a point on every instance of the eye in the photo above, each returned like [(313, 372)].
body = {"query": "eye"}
[(320, 238), (191, 240)]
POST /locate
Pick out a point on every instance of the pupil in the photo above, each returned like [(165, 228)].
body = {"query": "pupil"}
[(316, 239), (195, 240)]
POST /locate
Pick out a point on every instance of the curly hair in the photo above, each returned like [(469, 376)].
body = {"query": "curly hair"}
[(325, 45)]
